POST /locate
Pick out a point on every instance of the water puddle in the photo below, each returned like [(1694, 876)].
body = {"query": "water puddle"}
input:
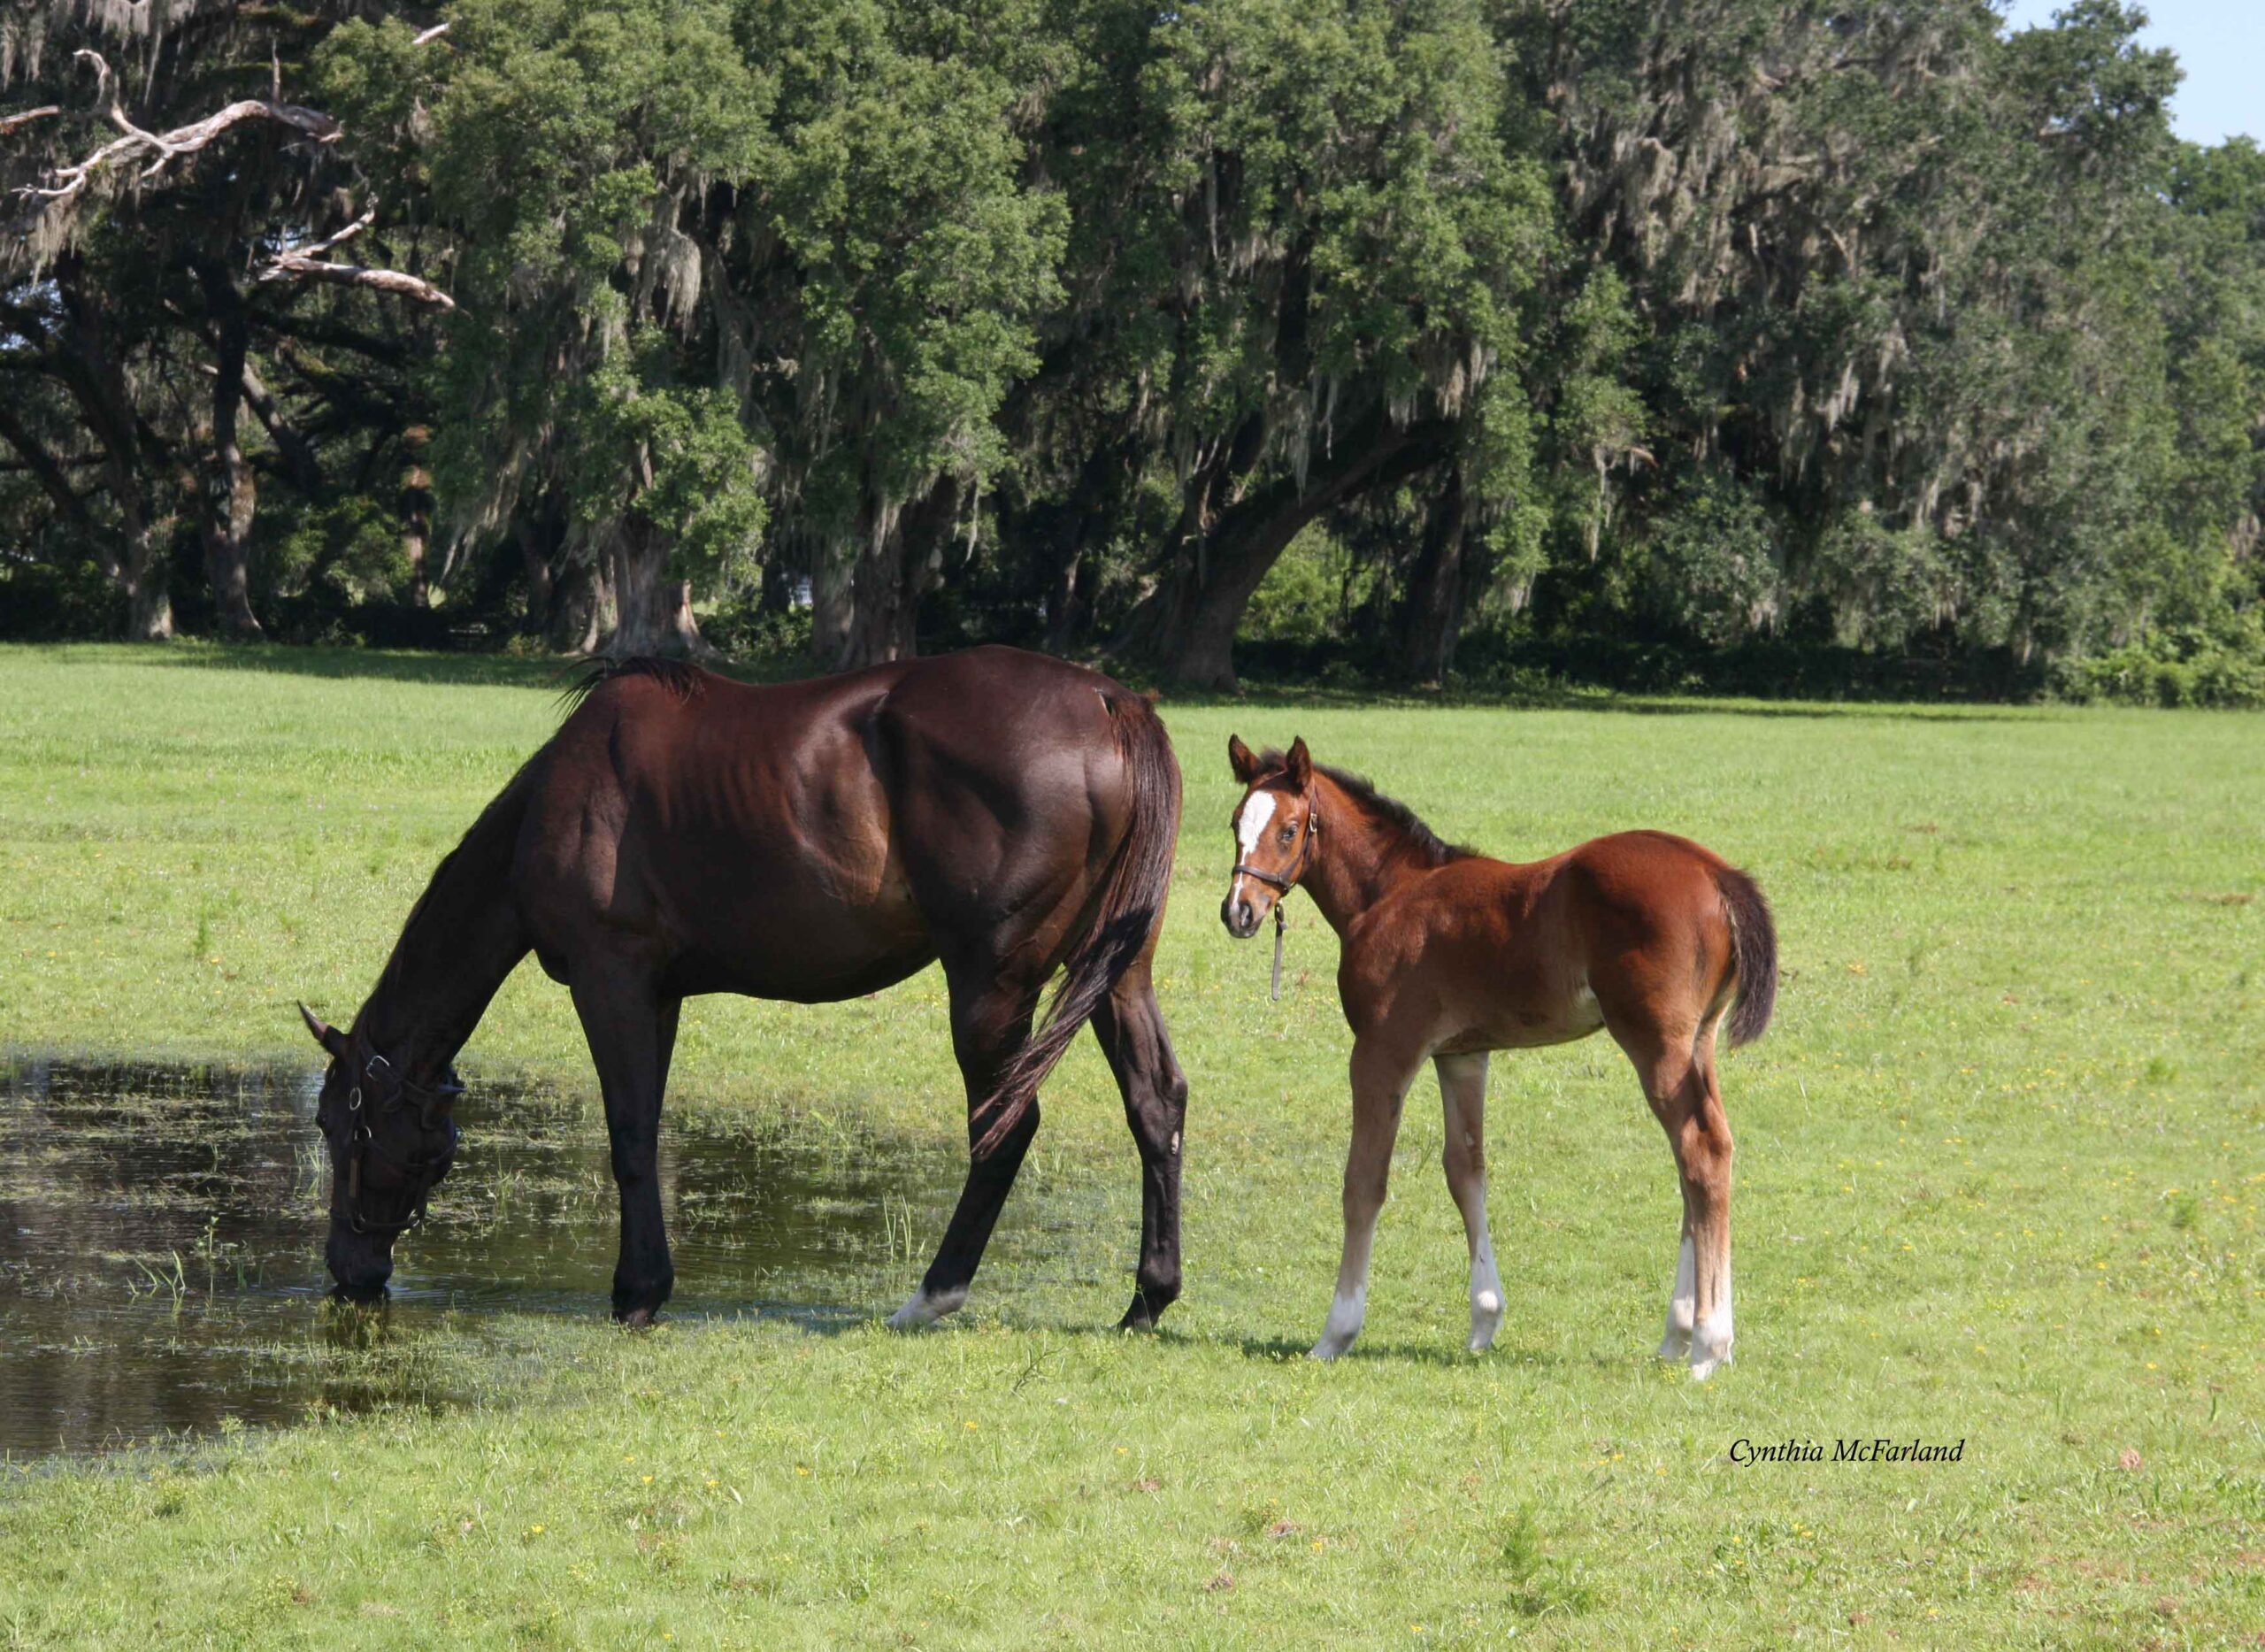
[(161, 1234)]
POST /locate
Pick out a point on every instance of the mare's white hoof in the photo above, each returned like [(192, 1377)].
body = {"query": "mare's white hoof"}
[(925, 1310)]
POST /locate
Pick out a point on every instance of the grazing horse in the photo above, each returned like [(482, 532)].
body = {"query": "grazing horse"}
[(1448, 954), (1006, 813)]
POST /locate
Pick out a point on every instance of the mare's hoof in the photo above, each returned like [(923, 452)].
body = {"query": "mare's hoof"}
[(635, 1318), (925, 1310), (1146, 1311)]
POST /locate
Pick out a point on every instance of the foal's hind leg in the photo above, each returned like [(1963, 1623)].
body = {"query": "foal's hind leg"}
[(1678, 1072), (1131, 1029), (1462, 1098), (1381, 1072), (990, 1022)]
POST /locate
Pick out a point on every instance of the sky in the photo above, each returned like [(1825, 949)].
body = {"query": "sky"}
[(2221, 44)]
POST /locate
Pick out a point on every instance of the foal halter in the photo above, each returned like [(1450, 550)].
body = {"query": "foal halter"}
[(1283, 886), (431, 1099)]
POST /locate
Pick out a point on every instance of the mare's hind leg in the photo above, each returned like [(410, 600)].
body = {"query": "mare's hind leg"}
[(1463, 1099), (1131, 1029), (990, 1022), (632, 1032), (1381, 1072), (1676, 1069)]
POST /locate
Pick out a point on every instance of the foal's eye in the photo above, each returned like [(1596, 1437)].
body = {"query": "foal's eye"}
[(1284, 835)]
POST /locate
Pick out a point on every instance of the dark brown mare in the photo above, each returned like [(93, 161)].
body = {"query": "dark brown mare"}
[(1006, 813), (1447, 955)]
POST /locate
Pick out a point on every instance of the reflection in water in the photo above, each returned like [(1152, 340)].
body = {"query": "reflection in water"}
[(161, 1235)]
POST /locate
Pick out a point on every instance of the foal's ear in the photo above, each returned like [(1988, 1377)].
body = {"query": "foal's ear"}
[(1298, 765), (1242, 759), (328, 1036)]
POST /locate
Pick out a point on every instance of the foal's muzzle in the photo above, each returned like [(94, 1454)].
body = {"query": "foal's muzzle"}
[(1238, 912)]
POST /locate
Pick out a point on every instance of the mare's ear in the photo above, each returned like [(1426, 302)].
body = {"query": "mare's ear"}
[(328, 1036), (1241, 759), (1299, 766)]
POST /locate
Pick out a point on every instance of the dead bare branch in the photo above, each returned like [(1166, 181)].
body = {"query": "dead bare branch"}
[(307, 264), (9, 123), (70, 181)]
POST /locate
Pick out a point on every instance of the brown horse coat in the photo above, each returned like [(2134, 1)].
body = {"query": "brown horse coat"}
[(1005, 813), (1447, 955)]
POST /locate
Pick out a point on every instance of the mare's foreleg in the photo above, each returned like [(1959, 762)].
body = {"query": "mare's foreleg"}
[(1463, 1099), (632, 1032), (991, 1019), (1131, 1029), (1380, 1073)]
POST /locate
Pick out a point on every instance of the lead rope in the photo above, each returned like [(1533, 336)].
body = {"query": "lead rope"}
[(1280, 923)]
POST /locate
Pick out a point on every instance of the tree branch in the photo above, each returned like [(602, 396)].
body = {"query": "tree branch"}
[(307, 264), (70, 181)]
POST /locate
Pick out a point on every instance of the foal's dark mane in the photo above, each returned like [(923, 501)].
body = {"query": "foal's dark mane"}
[(1427, 845)]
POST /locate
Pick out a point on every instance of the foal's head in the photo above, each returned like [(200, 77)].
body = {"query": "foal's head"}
[(391, 1143), (1274, 827)]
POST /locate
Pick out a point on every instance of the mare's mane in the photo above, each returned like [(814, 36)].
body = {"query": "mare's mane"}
[(679, 678)]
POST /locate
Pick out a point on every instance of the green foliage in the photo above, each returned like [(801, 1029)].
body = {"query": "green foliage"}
[(1832, 325)]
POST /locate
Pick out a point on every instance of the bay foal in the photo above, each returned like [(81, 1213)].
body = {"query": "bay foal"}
[(1447, 955)]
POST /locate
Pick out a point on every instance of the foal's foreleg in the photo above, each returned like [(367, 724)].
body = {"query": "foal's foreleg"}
[(1463, 1099), (1380, 1078)]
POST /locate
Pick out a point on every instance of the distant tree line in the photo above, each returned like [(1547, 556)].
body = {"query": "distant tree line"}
[(1417, 338)]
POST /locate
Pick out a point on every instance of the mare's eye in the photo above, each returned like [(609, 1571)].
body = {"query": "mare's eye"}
[(1285, 835)]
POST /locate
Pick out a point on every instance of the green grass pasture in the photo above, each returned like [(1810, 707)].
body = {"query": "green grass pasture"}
[(2000, 1162)]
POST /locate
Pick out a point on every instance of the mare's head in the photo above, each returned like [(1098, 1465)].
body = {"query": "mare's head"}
[(391, 1142), (1275, 829)]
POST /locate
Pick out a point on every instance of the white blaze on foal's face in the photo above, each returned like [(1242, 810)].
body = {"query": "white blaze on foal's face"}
[(1250, 827)]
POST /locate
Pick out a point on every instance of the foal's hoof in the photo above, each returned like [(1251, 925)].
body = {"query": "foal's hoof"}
[(1330, 1348), (633, 1318), (1486, 1320), (1710, 1347)]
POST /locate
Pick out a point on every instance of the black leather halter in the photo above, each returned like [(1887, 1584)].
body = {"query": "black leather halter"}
[(1283, 886), (432, 1117)]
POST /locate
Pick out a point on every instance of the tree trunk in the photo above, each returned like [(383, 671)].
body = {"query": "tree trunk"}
[(534, 556), (655, 610), (134, 562), (868, 605), (1431, 622), (230, 493), (581, 606), (416, 510), (1186, 627)]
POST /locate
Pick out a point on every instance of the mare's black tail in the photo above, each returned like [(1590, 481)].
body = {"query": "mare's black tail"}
[(1131, 905)]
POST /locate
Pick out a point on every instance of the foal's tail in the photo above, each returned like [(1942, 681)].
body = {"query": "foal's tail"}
[(1754, 948), (1131, 905)]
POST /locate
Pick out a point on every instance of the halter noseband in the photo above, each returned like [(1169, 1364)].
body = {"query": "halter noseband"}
[(1283, 886), (430, 1099)]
